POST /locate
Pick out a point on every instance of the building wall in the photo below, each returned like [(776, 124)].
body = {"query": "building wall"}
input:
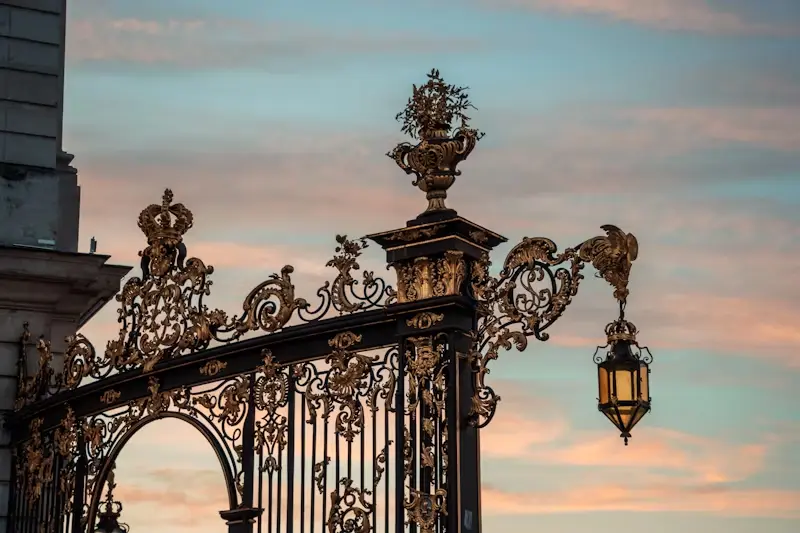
[(39, 194), (31, 80), (40, 209), (39, 205)]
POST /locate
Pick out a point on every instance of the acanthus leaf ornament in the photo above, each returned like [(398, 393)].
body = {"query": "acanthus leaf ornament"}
[(33, 388), (612, 256), (426, 277)]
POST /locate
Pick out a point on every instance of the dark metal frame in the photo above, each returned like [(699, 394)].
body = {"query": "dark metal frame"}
[(389, 382)]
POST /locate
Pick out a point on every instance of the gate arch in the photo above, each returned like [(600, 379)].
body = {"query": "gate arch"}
[(119, 445)]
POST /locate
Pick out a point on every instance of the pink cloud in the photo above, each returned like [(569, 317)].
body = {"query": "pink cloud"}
[(682, 15), (714, 312), (656, 498), (768, 127), (195, 43), (535, 431), (700, 460)]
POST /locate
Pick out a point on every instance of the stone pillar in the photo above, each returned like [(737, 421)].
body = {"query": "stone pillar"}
[(436, 257), (55, 293)]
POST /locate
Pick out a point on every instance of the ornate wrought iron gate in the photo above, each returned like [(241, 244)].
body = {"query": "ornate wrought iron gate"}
[(360, 413)]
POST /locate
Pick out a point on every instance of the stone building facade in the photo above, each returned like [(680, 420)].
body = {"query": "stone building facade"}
[(45, 282)]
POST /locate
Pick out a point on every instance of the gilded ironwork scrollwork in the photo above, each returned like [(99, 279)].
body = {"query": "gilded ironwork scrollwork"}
[(163, 315), (66, 445), (36, 387), (343, 294), (320, 471), (426, 398), (110, 396), (271, 395), (220, 406), (350, 509), (36, 468), (212, 368), (413, 234), (379, 464), (424, 320), (349, 379), (424, 509), (531, 292)]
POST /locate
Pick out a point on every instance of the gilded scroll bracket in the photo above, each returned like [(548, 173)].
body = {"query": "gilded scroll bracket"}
[(532, 291)]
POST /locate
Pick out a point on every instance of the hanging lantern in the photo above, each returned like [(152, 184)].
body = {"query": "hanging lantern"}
[(623, 374)]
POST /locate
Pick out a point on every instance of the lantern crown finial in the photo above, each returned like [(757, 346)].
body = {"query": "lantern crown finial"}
[(621, 330)]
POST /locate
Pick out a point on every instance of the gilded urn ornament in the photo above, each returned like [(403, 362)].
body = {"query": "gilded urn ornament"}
[(429, 116)]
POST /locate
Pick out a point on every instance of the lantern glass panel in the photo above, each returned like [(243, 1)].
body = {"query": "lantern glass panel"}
[(626, 415), (624, 383), (603, 385), (644, 382)]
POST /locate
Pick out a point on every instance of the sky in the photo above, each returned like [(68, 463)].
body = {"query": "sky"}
[(677, 120)]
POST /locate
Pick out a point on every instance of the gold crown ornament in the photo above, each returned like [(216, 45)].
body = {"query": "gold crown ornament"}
[(164, 226)]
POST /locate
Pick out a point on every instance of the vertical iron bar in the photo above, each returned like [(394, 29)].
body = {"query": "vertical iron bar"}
[(47, 494), (248, 444), (13, 512), (249, 453), (399, 425), (290, 457), (388, 472), (279, 488), (302, 426), (312, 518), (338, 460), (260, 519), (80, 484), (324, 472), (463, 475), (270, 496), (373, 461)]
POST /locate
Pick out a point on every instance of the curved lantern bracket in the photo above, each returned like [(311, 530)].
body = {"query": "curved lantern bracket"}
[(532, 291)]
